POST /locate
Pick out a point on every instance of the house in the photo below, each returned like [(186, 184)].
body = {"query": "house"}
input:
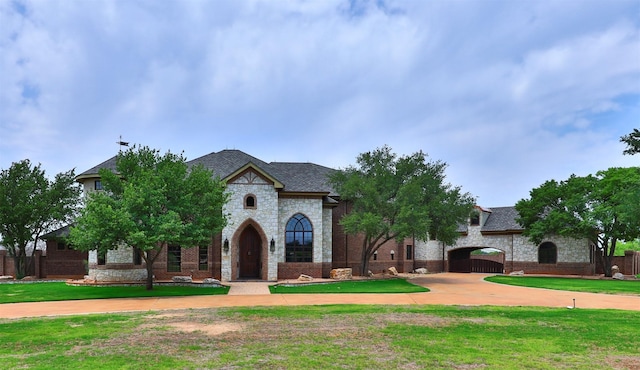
[(283, 221), (279, 225), (497, 229)]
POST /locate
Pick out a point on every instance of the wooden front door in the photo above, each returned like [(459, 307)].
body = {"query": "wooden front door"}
[(250, 254)]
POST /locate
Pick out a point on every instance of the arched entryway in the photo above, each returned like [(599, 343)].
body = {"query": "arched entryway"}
[(250, 254), (488, 261)]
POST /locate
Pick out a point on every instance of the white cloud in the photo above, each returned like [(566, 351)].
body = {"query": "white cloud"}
[(508, 93)]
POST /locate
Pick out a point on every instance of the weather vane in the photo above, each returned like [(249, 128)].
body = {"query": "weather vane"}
[(121, 143)]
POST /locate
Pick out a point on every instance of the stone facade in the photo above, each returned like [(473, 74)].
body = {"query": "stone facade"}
[(263, 217), (573, 256), (118, 266), (263, 197)]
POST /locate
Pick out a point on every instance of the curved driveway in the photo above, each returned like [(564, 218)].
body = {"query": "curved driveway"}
[(446, 288)]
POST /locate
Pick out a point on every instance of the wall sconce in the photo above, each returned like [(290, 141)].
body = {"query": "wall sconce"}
[(225, 246), (393, 253), (272, 245)]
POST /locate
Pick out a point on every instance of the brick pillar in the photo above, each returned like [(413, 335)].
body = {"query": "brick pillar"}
[(631, 262)]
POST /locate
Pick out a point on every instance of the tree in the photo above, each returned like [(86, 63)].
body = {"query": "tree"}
[(31, 205), (394, 198), (603, 209), (151, 202), (633, 142)]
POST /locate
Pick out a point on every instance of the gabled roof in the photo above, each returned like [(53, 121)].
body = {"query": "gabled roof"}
[(289, 176), (224, 163), (499, 220)]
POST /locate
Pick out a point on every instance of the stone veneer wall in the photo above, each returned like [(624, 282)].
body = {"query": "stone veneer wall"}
[(265, 215), (119, 266), (311, 208), (519, 252)]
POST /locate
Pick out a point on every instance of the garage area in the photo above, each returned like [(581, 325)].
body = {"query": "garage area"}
[(476, 259)]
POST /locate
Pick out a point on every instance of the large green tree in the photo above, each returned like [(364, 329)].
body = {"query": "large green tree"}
[(393, 198), (604, 209), (31, 205), (633, 142), (151, 201)]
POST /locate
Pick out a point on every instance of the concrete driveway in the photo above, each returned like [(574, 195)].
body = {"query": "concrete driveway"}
[(446, 289)]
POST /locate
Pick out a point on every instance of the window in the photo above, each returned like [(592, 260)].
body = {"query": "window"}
[(102, 258), (547, 253), (409, 252), (250, 201), (174, 257), (97, 185), (299, 239), (137, 256), (203, 258), (62, 246), (475, 218)]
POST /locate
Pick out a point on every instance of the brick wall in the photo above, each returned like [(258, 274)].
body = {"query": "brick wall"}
[(553, 269), (65, 263), (39, 267), (292, 270)]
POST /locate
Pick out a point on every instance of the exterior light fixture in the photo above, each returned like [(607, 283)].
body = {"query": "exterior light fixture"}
[(393, 253), (272, 245), (225, 245)]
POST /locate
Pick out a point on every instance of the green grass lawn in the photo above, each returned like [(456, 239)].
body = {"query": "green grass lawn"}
[(351, 286), (58, 291), (334, 336), (573, 284)]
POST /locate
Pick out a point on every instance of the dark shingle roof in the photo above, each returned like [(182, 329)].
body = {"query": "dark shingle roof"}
[(62, 232), (502, 219), (226, 162), (108, 164), (296, 177), (304, 177)]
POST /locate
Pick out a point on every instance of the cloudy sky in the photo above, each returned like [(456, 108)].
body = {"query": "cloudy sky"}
[(508, 93)]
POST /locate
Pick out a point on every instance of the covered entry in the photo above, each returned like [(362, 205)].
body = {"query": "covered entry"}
[(250, 254), (485, 260)]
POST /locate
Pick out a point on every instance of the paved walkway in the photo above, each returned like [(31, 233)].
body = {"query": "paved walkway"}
[(446, 288), (248, 288)]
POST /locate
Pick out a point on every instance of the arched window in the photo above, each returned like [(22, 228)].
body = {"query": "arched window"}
[(250, 201), (299, 239), (547, 253)]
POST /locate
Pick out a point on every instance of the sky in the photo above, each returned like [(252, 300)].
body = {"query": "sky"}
[(509, 94)]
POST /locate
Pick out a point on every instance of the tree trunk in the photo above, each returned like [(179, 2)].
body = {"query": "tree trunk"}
[(607, 266), (149, 276), (365, 261), (19, 266), (605, 261)]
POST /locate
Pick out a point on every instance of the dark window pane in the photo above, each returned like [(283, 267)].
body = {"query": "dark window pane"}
[(299, 239), (174, 258), (547, 253), (203, 258)]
